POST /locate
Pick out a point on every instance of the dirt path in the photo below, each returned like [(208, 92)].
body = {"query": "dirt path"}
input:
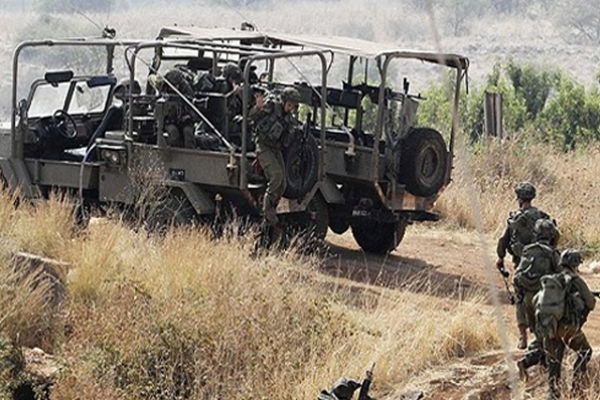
[(448, 263)]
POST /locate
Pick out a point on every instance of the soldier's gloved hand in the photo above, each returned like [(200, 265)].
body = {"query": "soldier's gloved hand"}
[(501, 268)]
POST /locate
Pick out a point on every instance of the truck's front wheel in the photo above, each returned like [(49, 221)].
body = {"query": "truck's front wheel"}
[(378, 237)]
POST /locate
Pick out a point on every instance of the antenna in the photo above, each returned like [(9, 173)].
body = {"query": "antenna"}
[(106, 31), (77, 11)]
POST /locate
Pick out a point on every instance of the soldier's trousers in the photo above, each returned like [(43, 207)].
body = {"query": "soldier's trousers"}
[(521, 310), (572, 336), (271, 161), (525, 309), (529, 310)]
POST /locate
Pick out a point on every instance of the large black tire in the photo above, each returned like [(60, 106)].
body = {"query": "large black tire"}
[(376, 236), (301, 159), (339, 218), (423, 162)]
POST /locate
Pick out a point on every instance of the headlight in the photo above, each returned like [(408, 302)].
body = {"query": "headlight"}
[(111, 156)]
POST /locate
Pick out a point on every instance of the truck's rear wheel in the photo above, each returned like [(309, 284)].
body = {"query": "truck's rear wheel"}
[(339, 218), (378, 236), (423, 162), (174, 210)]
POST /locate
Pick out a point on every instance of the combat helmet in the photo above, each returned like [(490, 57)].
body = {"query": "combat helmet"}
[(525, 191), (233, 72), (545, 229), (290, 94), (344, 388), (571, 258)]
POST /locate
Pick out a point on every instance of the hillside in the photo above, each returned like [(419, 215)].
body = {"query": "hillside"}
[(489, 38)]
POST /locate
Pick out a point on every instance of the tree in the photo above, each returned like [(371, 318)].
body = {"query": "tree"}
[(532, 84), (458, 14), (573, 116), (581, 19)]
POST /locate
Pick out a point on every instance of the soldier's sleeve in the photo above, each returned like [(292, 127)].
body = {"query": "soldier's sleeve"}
[(585, 293), (503, 243), (253, 113)]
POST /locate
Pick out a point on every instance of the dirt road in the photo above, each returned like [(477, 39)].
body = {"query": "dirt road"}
[(449, 263)]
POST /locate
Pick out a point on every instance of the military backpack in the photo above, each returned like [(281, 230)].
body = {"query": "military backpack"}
[(522, 224), (557, 301), (538, 259)]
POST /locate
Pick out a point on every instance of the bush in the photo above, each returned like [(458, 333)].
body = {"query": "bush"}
[(573, 116), (537, 102)]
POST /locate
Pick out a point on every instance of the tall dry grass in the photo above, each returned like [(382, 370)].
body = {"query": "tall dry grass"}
[(183, 316), (567, 184)]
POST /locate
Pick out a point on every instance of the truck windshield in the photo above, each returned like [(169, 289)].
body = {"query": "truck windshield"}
[(46, 99)]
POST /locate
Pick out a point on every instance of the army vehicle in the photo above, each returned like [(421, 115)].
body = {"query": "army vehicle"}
[(374, 178), (162, 155), (168, 149)]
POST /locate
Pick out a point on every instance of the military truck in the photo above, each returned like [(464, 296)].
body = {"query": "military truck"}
[(375, 179), (168, 153), (110, 142)]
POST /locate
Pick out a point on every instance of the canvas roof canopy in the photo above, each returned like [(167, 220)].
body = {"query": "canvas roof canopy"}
[(350, 46)]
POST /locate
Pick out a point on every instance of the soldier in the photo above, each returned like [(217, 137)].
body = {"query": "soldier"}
[(577, 302), (230, 87), (517, 234), (274, 127), (538, 259)]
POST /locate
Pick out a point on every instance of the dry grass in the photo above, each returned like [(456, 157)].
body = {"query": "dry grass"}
[(567, 185), (183, 316)]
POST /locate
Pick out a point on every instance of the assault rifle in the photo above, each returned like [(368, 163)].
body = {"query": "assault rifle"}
[(502, 269), (366, 384), (344, 388)]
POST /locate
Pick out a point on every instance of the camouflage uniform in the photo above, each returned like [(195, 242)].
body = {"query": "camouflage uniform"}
[(273, 130), (517, 234), (579, 303), (538, 259)]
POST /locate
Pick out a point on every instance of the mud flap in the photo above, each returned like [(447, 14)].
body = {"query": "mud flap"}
[(201, 202)]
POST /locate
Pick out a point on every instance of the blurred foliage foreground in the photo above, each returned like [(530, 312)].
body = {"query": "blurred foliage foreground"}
[(181, 316)]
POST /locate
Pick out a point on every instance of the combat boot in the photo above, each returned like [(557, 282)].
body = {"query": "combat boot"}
[(522, 345), (522, 370), (271, 217)]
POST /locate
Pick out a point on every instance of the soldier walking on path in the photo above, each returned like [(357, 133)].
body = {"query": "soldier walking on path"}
[(538, 259), (519, 232), (274, 128), (562, 307)]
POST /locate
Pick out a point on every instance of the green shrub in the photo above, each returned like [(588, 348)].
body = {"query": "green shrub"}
[(573, 115)]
